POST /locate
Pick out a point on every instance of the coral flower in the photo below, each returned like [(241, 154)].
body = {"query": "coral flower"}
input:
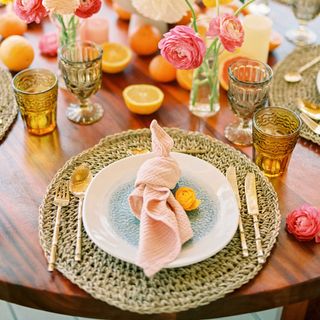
[(30, 11), (304, 223), (87, 8), (183, 48), (229, 30)]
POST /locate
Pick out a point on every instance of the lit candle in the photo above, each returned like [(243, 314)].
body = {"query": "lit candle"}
[(257, 33), (95, 30)]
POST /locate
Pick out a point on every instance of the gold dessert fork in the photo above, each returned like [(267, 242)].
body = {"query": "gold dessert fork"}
[(61, 199)]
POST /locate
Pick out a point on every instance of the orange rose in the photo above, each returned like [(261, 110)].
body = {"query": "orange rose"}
[(187, 198)]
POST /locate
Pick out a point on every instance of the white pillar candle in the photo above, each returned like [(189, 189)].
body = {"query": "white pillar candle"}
[(257, 34)]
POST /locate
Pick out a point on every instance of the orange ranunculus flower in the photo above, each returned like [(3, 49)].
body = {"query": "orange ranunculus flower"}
[(187, 198)]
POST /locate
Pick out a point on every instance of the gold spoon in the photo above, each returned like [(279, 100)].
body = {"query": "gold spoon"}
[(79, 182), (309, 108), (295, 76)]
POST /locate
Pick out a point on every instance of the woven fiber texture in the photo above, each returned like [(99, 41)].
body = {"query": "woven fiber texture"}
[(124, 285), (286, 94), (8, 106)]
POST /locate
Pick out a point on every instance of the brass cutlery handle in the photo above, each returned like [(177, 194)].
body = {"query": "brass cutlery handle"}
[(261, 258), (244, 246), (77, 256), (54, 245)]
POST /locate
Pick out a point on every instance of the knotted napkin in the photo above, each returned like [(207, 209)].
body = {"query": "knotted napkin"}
[(164, 225)]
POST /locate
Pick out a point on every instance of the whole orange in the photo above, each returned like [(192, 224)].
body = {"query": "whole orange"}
[(16, 53), (144, 40), (11, 24), (122, 13), (161, 70), (184, 78)]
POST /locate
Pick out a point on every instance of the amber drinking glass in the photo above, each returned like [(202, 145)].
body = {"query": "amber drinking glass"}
[(80, 64), (249, 83), (36, 92), (275, 133)]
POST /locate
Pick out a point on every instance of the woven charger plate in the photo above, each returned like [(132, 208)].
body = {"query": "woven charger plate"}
[(285, 94), (8, 106), (124, 285)]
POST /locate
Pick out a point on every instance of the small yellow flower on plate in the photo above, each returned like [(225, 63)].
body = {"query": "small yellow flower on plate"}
[(187, 198)]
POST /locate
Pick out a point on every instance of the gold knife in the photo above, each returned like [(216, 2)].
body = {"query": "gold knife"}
[(232, 178), (253, 209)]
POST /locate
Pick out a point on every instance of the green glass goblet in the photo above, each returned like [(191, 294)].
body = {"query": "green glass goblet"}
[(80, 64)]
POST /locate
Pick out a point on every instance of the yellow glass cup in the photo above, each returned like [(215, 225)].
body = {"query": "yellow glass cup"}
[(36, 92), (275, 134)]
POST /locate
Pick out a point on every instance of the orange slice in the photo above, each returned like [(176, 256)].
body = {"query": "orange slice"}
[(115, 58), (184, 78), (143, 98)]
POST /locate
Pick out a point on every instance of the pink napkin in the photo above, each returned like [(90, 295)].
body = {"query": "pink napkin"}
[(164, 225)]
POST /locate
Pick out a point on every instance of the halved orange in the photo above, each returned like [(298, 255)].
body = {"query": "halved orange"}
[(184, 78), (143, 98), (115, 58)]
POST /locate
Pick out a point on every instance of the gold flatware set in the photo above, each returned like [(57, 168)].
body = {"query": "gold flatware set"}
[(77, 185), (253, 210)]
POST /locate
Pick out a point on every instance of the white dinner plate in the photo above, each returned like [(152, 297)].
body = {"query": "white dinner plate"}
[(110, 224)]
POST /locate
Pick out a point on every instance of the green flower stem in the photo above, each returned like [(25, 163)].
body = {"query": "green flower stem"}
[(242, 7), (194, 18), (217, 6)]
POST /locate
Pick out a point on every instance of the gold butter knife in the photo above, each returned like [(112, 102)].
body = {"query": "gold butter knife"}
[(253, 209), (232, 178)]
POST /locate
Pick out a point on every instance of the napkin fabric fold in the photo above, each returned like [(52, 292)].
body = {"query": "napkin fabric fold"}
[(164, 225)]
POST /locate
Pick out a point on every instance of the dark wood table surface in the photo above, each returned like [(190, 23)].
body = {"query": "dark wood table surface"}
[(290, 277)]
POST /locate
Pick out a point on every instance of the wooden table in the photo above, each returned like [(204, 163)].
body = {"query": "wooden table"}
[(28, 163)]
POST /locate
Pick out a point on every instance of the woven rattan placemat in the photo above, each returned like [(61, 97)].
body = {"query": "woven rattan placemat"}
[(285, 94), (8, 106), (171, 290)]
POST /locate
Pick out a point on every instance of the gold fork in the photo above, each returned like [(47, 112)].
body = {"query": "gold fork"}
[(61, 199), (314, 126)]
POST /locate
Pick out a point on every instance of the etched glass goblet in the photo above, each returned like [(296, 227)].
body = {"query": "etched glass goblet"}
[(304, 11), (249, 83), (81, 70)]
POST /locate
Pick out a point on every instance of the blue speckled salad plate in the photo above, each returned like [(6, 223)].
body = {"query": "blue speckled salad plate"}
[(109, 223)]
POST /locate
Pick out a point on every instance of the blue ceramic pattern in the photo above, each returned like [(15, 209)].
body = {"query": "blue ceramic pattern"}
[(126, 224)]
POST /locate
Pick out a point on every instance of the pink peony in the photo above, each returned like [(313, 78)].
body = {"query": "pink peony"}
[(48, 44), (229, 30), (304, 223), (30, 11), (87, 8), (183, 48)]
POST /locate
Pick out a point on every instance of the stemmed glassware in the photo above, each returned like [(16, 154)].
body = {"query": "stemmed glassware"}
[(80, 63), (249, 83), (304, 11)]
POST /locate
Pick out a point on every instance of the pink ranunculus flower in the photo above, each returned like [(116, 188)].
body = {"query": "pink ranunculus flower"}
[(30, 11), (229, 30), (304, 223), (183, 48), (87, 8), (48, 44)]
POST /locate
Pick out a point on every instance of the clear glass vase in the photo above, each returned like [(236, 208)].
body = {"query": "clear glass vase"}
[(67, 33), (204, 95)]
